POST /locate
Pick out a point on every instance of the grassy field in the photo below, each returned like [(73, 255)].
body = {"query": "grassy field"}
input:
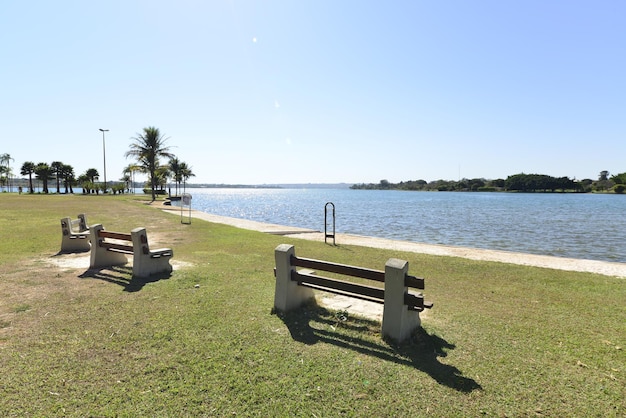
[(502, 340)]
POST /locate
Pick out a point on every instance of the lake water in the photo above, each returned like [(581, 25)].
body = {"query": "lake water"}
[(589, 226)]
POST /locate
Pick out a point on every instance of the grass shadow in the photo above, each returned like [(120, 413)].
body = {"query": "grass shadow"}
[(69, 252), (122, 276), (313, 324)]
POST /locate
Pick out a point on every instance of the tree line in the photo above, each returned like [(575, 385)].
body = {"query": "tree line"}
[(147, 148), (526, 183)]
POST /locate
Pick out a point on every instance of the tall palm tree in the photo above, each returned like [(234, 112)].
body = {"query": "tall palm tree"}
[(3, 178), (147, 148), (67, 173), (84, 181), (185, 173), (92, 173), (5, 160), (44, 173), (28, 169), (162, 173), (175, 170), (130, 171), (56, 167)]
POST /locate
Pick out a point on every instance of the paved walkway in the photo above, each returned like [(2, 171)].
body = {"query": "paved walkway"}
[(559, 263)]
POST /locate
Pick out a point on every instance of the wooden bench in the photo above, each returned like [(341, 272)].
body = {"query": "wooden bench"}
[(401, 306), (111, 249), (75, 234)]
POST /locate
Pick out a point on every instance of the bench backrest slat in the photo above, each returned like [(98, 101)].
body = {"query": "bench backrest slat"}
[(341, 285), (346, 270), (118, 247), (114, 235), (414, 282), (414, 302)]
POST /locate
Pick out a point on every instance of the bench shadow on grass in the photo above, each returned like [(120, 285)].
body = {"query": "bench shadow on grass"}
[(421, 352), (123, 276)]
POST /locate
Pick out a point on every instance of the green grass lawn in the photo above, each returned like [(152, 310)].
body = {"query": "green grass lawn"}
[(501, 340)]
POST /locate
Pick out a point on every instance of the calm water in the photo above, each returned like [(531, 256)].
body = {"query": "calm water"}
[(567, 225)]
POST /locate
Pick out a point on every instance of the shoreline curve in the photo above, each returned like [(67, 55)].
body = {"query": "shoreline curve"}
[(606, 268)]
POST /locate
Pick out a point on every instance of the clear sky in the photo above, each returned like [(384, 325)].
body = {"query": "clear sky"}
[(300, 91)]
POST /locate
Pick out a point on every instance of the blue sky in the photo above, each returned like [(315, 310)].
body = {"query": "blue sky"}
[(255, 92)]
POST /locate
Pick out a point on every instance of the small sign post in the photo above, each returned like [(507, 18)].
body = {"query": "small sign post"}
[(185, 204)]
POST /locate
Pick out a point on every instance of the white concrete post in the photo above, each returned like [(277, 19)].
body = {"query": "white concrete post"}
[(288, 295), (145, 261), (101, 257), (82, 222), (71, 241), (398, 321)]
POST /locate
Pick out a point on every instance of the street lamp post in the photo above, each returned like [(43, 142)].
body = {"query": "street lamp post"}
[(104, 155)]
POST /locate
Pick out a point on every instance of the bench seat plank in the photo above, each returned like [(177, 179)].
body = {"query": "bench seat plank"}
[(114, 235), (346, 270), (340, 285), (128, 249)]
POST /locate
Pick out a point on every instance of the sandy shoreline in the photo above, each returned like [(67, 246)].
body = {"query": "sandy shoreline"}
[(558, 263)]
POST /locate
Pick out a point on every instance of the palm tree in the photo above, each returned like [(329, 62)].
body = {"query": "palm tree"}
[(5, 160), (162, 174), (44, 173), (147, 148), (56, 167), (175, 170), (185, 173), (3, 178), (129, 171), (85, 182), (92, 173), (28, 168), (67, 173)]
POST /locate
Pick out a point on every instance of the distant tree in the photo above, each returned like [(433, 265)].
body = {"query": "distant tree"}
[(129, 172), (603, 182), (475, 184), (180, 172), (43, 173), (127, 180), (174, 165), (604, 176), (497, 183), (67, 174), (147, 148), (85, 183), (619, 188), (565, 183), (28, 169), (3, 177), (92, 173), (5, 166), (619, 178), (56, 167), (162, 173), (531, 182), (185, 172)]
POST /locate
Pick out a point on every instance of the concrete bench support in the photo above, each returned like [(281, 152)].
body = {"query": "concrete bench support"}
[(146, 262), (398, 321), (75, 235), (288, 295)]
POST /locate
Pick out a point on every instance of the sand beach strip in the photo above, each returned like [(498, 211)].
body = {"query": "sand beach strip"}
[(558, 263)]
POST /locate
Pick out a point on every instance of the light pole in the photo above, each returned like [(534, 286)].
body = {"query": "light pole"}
[(104, 154)]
